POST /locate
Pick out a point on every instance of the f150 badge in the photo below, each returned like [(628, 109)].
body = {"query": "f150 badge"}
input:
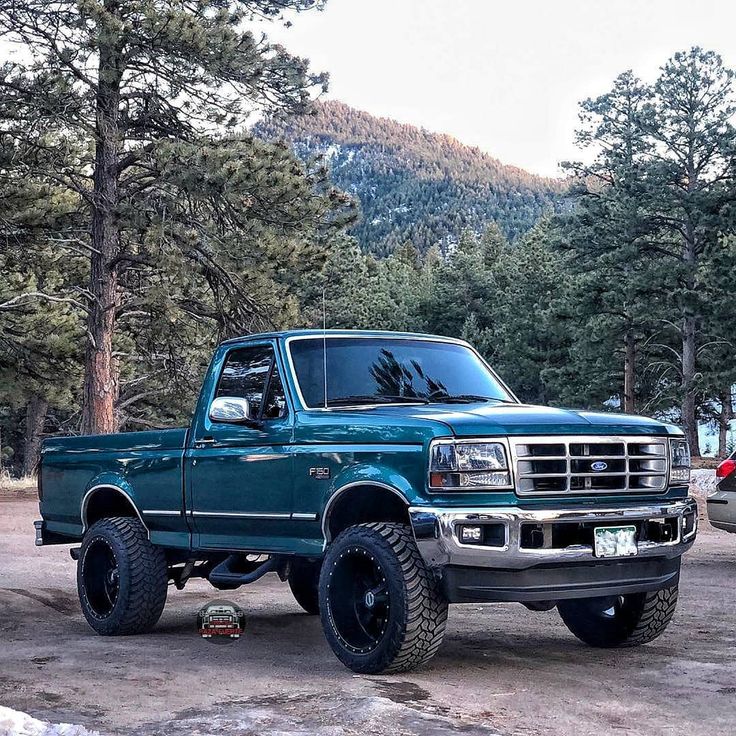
[(319, 473)]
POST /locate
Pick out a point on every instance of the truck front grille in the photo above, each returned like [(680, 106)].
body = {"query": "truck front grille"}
[(585, 465)]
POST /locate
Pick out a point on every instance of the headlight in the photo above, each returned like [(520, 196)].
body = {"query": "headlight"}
[(468, 465), (679, 461)]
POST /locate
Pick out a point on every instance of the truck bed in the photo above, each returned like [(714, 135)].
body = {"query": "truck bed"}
[(147, 466), (159, 439)]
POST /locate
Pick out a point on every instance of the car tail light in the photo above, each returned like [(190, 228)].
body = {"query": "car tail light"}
[(726, 468)]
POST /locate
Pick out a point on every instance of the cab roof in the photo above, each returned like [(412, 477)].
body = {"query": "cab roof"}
[(285, 334)]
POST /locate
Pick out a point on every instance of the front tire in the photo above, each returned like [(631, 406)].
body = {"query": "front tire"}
[(620, 621), (304, 583), (122, 579), (380, 607)]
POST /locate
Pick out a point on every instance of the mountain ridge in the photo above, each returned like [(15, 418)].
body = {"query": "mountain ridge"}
[(415, 185)]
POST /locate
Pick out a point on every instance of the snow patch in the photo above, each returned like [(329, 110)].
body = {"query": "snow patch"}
[(703, 482), (332, 151), (15, 723)]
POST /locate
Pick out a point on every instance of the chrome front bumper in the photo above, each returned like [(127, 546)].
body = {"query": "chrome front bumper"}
[(436, 533)]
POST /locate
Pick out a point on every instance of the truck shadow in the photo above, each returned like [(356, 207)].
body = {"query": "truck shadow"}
[(295, 640), (56, 599)]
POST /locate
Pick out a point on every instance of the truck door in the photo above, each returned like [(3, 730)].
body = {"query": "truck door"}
[(240, 476)]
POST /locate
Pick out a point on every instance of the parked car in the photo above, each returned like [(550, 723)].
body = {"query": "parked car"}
[(384, 475), (722, 502)]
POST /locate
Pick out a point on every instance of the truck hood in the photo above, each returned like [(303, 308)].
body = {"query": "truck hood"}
[(469, 420)]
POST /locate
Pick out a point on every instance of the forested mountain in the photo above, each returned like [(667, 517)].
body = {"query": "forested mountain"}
[(413, 185)]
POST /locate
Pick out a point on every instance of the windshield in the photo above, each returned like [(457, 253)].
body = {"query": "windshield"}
[(390, 370)]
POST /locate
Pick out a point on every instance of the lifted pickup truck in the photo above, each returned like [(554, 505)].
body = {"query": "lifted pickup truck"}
[(383, 475)]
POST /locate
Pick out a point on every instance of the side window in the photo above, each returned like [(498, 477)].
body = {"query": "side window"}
[(252, 373), (245, 374), (275, 405)]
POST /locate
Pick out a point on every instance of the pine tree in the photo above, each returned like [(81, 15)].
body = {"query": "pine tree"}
[(40, 334), (114, 92), (719, 351), (532, 324), (653, 209), (612, 236), (694, 189)]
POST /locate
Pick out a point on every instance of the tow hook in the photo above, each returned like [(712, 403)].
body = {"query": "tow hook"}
[(74, 552)]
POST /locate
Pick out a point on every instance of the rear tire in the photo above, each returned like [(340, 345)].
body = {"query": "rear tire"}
[(620, 621), (122, 578), (380, 607), (304, 583)]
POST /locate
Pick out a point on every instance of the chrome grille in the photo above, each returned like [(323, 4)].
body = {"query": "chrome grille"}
[(584, 465)]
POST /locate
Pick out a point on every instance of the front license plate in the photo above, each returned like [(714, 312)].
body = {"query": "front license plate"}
[(615, 541)]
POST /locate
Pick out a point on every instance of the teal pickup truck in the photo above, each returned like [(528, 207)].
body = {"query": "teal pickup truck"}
[(383, 475)]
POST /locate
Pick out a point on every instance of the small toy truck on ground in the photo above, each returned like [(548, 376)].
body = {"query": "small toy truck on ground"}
[(383, 475), (220, 619)]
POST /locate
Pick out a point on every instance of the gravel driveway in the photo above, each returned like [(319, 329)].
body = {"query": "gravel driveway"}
[(501, 669)]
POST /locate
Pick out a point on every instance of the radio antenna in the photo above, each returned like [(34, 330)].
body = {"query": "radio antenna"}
[(324, 340)]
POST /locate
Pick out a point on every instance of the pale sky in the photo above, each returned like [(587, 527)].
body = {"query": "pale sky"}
[(505, 76)]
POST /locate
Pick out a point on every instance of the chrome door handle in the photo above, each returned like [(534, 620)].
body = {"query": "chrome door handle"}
[(205, 441)]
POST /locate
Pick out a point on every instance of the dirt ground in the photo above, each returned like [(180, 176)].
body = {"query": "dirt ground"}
[(502, 669)]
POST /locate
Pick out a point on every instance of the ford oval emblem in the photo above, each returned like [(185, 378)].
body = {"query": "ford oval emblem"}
[(599, 466)]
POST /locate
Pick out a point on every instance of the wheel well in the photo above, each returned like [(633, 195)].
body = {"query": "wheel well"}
[(106, 502), (362, 504)]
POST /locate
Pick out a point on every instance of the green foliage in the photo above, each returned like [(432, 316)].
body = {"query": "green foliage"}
[(40, 306), (508, 301), (653, 211), (40, 313), (611, 238), (181, 229), (136, 110), (621, 298)]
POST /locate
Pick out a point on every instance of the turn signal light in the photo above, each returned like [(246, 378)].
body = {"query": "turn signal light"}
[(726, 468)]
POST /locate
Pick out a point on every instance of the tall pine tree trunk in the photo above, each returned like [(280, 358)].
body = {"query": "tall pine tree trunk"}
[(101, 369), (689, 333), (724, 421), (36, 411), (629, 373), (689, 413)]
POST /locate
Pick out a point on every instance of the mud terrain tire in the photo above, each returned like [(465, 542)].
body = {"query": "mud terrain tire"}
[(304, 583), (380, 606), (122, 578), (621, 621)]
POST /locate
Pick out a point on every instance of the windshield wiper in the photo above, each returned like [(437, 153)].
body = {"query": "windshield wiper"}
[(463, 399), (373, 399)]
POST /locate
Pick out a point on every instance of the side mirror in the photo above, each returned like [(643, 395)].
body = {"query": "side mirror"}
[(230, 409)]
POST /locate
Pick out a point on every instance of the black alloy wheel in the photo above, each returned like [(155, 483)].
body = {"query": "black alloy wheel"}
[(101, 578), (358, 598)]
